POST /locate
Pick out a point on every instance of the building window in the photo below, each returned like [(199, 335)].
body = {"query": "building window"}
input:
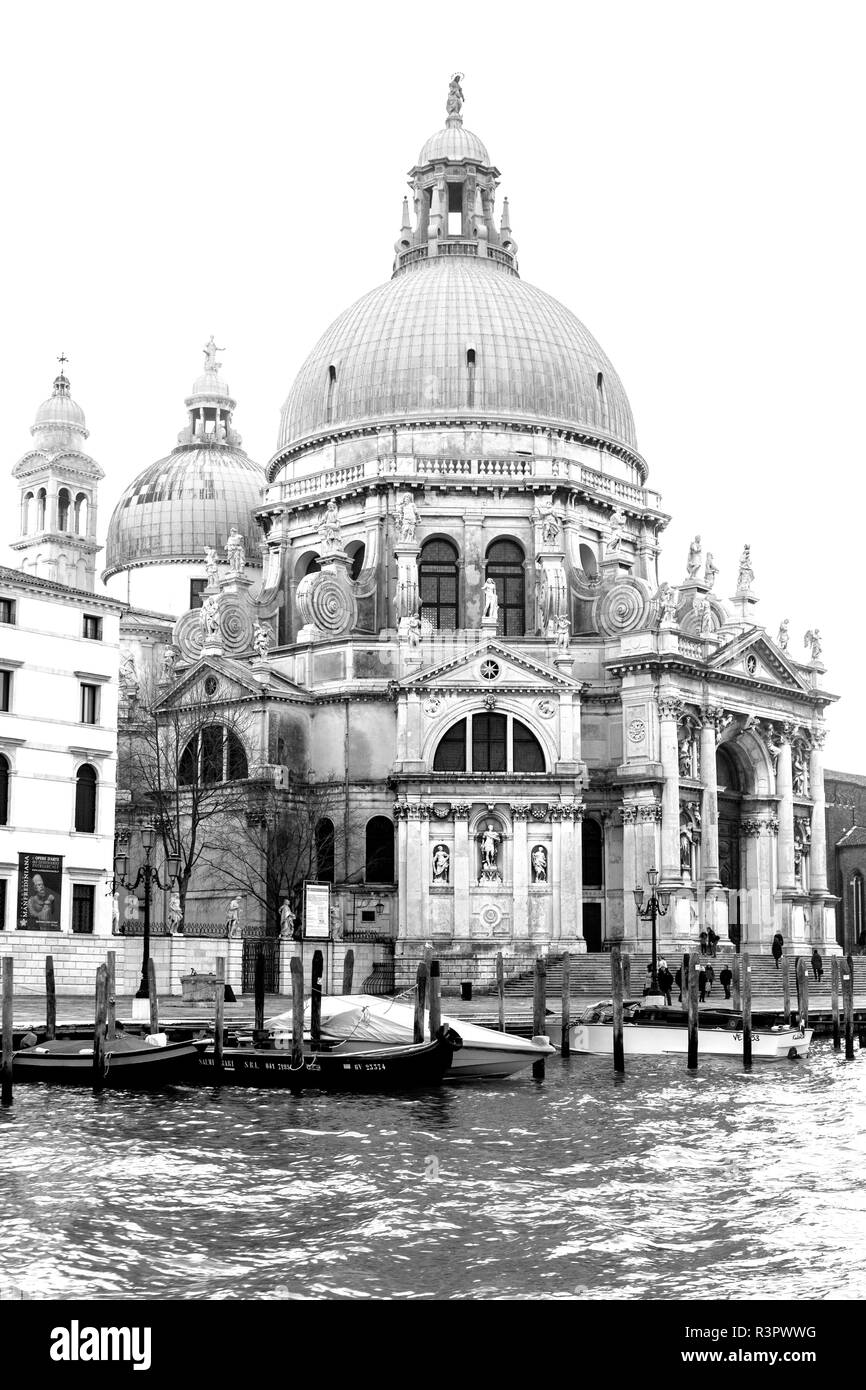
[(196, 592), (488, 743), (4, 790), (493, 748), (451, 751), (81, 514), (83, 903), (438, 579), (325, 850), (2, 904), (593, 859), (89, 704), (858, 905), (63, 501), (7, 610), (215, 754), (5, 691), (85, 800), (505, 568), (379, 866), (92, 628), (41, 501)]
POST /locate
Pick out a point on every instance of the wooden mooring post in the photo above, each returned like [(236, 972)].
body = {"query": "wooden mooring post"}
[(737, 967), (259, 993), (316, 970), (50, 999), (565, 1045), (348, 970), (153, 997), (848, 1006), (693, 1025), (786, 989), (616, 989), (111, 1019), (435, 1000), (420, 1002), (539, 1011), (835, 977), (500, 990), (99, 1028), (6, 1058), (802, 993), (296, 967), (746, 995), (626, 974), (219, 1012)]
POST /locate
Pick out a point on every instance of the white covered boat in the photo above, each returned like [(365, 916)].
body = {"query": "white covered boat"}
[(650, 1030), (360, 1022)]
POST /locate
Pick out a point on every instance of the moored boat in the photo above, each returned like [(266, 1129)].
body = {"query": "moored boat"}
[(384, 1069), (353, 1023), (128, 1062), (651, 1030)]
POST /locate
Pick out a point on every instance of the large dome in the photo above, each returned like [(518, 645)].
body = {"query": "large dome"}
[(182, 503), (400, 353)]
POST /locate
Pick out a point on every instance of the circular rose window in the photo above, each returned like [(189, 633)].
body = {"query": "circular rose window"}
[(489, 670), (210, 685)]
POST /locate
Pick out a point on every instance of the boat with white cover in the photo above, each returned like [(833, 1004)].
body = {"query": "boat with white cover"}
[(653, 1030), (360, 1022)]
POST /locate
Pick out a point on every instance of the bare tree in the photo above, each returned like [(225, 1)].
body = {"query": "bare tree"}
[(269, 846), (187, 766)]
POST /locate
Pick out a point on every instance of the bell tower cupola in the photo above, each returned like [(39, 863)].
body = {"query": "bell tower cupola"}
[(58, 485)]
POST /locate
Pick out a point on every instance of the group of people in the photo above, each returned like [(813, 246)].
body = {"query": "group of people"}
[(706, 979)]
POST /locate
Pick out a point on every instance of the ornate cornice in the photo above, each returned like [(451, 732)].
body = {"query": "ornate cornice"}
[(669, 706)]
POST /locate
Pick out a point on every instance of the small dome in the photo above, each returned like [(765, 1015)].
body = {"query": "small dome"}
[(60, 412), (210, 384), (454, 142), (182, 503)]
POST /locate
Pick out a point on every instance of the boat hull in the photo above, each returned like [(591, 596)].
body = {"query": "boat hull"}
[(649, 1040), (475, 1061), (70, 1064), (392, 1069)]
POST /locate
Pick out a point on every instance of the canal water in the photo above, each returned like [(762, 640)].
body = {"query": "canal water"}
[(660, 1185)]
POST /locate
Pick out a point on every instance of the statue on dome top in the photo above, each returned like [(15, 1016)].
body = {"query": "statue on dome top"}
[(210, 351), (694, 561), (710, 571), (454, 104)]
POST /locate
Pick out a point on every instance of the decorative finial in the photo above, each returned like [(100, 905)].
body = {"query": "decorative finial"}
[(61, 382), (454, 104), (63, 359), (210, 351)]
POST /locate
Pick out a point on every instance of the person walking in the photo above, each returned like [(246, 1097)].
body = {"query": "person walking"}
[(726, 979), (702, 981), (712, 940), (817, 964), (777, 948), (666, 983), (711, 976)]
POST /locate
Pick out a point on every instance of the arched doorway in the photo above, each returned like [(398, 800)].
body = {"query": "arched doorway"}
[(730, 795)]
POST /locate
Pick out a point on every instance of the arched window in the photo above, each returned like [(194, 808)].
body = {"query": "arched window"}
[(437, 574), (380, 851), (357, 552), (4, 790), (41, 499), (588, 561), (450, 753), (325, 850), (27, 514), (527, 755), (81, 514), (505, 567), (329, 403), (470, 375), (63, 501), (593, 858), (858, 916), (85, 800), (214, 754)]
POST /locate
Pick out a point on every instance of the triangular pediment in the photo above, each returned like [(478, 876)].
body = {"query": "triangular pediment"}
[(233, 681), (466, 671), (755, 657)]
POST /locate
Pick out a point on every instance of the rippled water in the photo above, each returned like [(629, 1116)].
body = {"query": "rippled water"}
[(659, 1185)]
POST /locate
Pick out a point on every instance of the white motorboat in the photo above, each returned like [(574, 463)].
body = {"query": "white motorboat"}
[(361, 1022), (649, 1031)]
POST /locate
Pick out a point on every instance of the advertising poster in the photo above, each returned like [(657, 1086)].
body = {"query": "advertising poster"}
[(317, 917), (40, 884)]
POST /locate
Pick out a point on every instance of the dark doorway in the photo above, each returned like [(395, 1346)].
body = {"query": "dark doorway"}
[(592, 926)]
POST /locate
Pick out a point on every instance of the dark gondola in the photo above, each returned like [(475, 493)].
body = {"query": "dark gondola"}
[(128, 1062), (387, 1069)]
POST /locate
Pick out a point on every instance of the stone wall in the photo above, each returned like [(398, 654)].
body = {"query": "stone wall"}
[(76, 960)]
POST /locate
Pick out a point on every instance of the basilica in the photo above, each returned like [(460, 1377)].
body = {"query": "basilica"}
[(444, 603)]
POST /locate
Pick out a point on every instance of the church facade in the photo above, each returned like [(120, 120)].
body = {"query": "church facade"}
[(441, 602)]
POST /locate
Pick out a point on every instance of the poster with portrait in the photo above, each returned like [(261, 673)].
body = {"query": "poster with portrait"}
[(317, 911), (40, 889)]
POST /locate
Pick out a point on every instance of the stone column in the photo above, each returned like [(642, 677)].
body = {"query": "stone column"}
[(462, 868), (785, 793), (520, 870), (632, 873), (400, 813), (669, 709), (555, 866), (565, 873), (818, 865), (709, 810)]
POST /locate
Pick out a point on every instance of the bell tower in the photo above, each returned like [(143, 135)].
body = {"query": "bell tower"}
[(58, 486)]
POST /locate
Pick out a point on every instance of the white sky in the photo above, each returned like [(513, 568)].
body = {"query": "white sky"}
[(686, 177)]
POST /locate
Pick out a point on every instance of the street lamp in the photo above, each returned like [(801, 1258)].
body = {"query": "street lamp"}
[(657, 906), (146, 873)]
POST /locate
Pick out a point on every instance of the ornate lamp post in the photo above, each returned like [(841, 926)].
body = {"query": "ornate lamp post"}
[(146, 874), (656, 907)]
